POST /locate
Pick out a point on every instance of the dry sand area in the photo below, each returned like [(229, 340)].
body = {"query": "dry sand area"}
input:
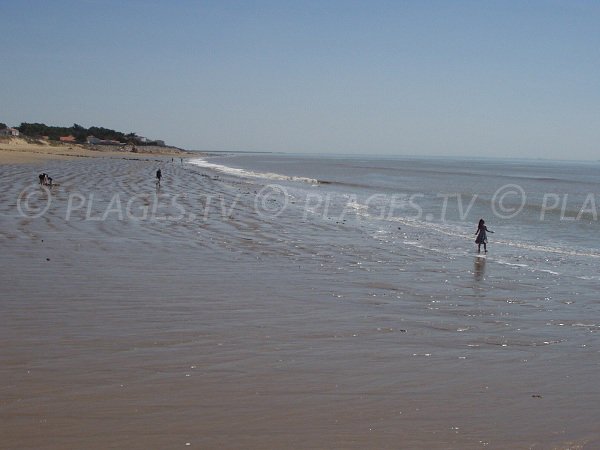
[(21, 151)]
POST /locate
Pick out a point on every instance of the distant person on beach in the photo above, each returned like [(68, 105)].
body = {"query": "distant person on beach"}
[(45, 179), (158, 177), (481, 234)]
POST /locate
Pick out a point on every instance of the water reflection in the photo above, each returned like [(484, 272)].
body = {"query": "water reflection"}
[(479, 268)]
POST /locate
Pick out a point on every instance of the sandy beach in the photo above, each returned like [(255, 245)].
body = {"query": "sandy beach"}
[(23, 151), (184, 318)]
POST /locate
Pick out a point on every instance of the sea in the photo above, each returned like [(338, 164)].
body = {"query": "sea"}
[(543, 213)]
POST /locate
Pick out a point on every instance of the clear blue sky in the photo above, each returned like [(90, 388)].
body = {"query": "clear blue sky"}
[(488, 78)]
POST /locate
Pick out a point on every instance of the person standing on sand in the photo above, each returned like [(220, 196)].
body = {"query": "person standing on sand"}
[(158, 176), (45, 179), (481, 234)]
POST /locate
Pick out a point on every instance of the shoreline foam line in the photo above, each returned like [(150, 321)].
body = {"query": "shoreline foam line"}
[(201, 162)]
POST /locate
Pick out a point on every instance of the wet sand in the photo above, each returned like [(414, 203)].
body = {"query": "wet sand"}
[(225, 328)]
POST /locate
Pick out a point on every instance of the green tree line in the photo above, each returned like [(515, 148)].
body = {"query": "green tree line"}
[(79, 132)]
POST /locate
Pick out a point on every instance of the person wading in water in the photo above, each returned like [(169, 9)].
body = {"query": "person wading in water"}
[(481, 234)]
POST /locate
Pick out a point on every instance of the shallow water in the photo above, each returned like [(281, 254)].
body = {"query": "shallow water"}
[(225, 320)]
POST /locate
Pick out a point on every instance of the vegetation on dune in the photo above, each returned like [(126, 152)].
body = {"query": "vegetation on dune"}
[(80, 133)]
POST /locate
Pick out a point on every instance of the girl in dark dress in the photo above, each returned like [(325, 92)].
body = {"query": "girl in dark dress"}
[(481, 234)]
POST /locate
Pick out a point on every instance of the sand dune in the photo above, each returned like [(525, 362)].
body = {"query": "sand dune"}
[(24, 150)]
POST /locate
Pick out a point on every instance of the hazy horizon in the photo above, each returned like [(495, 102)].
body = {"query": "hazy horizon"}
[(434, 78)]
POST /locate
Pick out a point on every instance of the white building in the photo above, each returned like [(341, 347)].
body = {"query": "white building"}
[(95, 141), (9, 132)]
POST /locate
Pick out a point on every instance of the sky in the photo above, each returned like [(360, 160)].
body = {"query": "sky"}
[(458, 78)]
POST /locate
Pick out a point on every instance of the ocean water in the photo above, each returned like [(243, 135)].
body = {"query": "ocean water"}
[(544, 214), (406, 228)]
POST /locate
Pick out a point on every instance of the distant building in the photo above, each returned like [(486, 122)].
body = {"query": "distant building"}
[(95, 141), (147, 141), (67, 138), (9, 132)]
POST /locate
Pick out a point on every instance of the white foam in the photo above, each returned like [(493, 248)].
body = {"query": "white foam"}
[(547, 249), (511, 264), (202, 162), (357, 206), (552, 272)]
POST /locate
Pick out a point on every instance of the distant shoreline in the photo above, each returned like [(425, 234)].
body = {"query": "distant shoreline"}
[(18, 150)]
